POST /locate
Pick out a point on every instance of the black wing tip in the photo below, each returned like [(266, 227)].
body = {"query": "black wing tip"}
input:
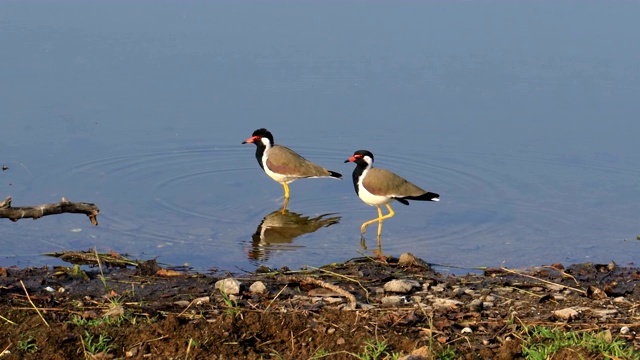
[(428, 196), (335, 174)]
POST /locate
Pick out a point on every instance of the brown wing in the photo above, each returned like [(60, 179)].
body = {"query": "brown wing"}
[(385, 183), (285, 161)]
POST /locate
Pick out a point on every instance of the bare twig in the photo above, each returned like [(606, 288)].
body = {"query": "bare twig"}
[(543, 280), (4, 352), (7, 320), (326, 285), (274, 299), (34, 305), (366, 292), (188, 348), (84, 348), (148, 341), (36, 212)]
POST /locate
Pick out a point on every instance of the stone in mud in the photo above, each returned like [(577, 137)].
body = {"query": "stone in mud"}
[(392, 300), (566, 314), (230, 286), (401, 286), (258, 287), (446, 304)]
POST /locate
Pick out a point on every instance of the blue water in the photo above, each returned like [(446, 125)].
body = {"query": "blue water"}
[(522, 115)]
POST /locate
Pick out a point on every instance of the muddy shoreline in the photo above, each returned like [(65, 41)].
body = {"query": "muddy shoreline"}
[(333, 312)]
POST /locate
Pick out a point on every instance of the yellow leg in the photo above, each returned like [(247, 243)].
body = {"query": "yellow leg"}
[(379, 219), (286, 190)]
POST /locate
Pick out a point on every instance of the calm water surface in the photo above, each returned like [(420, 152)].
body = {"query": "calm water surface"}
[(523, 116)]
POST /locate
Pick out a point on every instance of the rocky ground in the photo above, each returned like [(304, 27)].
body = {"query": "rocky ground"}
[(392, 307)]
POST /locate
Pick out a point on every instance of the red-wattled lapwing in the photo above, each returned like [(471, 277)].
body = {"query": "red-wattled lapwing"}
[(283, 164), (378, 187)]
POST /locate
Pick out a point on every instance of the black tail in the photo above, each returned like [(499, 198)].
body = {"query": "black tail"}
[(428, 196), (335, 174)]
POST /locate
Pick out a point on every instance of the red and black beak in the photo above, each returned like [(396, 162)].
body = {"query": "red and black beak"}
[(251, 139), (353, 158)]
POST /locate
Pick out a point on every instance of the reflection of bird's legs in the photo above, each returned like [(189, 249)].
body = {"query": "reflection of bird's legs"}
[(284, 206), (379, 219), (379, 252), (363, 243)]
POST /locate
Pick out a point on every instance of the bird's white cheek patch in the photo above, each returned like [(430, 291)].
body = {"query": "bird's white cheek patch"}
[(266, 142)]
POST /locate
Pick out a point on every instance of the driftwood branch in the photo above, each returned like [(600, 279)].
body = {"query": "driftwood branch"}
[(36, 212)]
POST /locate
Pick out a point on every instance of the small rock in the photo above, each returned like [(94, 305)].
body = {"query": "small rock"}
[(466, 330), (423, 353), (392, 300), (438, 288), (364, 306), (470, 292), (258, 287), (487, 304), (230, 286), (625, 330), (566, 314), (427, 283), (340, 341), (90, 314), (446, 304), (475, 305), (558, 297), (490, 298), (408, 259), (201, 300), (504, 290), (595, 293), (458, 291), (330, 331), (333, 300), (621, 300), (401, 286), (554, 287), (605, 313)]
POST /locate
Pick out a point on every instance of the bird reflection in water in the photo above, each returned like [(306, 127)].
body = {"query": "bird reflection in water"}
[(279, 228)]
